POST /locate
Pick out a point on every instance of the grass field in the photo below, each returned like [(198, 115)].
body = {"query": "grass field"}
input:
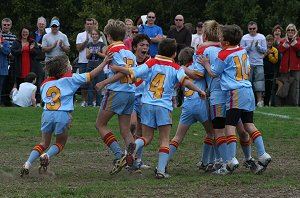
[(82, 169)]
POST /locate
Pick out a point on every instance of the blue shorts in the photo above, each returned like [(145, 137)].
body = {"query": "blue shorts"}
[(118, 102), (218, 110), (257, 77), (138, 105), (56, 121), (242, 98), (194, 111), (154, 116)]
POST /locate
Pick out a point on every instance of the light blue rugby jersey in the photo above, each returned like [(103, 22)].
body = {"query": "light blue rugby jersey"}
[(58, 94), (160, 74), (123, 57), (233, 64), (140, 83)]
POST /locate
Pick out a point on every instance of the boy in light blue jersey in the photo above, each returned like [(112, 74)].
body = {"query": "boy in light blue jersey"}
[(193, 109), (232, 64), (57, 92), (160, 74), (119, 97)]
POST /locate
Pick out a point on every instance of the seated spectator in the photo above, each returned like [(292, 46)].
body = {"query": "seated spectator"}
[(25, 96)]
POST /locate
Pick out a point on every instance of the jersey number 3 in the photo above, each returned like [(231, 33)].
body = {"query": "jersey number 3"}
[(53, 92), (242, 72), (157, 85)]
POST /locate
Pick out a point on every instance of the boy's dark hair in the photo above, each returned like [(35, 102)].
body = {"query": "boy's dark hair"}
[(232, 33), (30, 77), (139, 38), (167, 47), (185, 56), (57, 66), (116, 29)]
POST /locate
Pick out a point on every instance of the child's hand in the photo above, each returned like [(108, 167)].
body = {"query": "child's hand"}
[(204, 61), (202, 94), (114, 68), (99, 86), (108, 58)]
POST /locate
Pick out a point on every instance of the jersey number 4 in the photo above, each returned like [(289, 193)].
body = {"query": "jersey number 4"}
[(157, 85), (242, 72), (53, 92), (129, 63)]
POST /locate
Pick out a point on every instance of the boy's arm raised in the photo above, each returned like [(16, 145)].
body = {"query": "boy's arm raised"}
[(98, 69)]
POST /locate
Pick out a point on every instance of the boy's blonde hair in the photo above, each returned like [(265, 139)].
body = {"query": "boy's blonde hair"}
[(185, 56), (116, 29), (211, 29), (269, 37), (57, 66)]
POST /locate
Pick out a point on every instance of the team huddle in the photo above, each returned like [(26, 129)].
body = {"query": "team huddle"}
[(217, 93)]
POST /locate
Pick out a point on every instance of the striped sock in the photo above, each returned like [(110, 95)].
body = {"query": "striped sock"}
[(163, 157), (259, 143), (173, 147), (231, 146), (35, 153), (222, 148), (111, 141), (54, 149), (207, 147), (246, 147)]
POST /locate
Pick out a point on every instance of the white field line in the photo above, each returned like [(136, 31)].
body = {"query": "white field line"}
[(277, 115)]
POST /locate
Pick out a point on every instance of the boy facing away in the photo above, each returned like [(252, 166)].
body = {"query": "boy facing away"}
[(233, 63), (57, 92), (160, 75)]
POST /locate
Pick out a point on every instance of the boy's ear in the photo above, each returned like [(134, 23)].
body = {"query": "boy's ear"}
[(174, 55)]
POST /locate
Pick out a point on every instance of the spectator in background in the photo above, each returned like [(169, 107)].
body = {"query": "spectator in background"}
[(197, 38), (270, 67), (277, 33), (129, 24), (288, 91), (256, 46), (6, 24), (25, 96), (40, 55), (4, 52), (102, 35), (82, 41), (95, 56), (55, 43), (154, 32), (24, 49), (181, 34), (128, 41)]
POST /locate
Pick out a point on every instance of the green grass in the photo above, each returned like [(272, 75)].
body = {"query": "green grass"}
[(82, 169)]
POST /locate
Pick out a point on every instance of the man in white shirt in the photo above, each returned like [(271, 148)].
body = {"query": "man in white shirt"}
[(197, 38), (82, 40)]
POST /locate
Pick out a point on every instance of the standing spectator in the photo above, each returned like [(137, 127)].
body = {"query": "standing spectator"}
[(102, 35), (129, 24), (256, 46), (24, 50), (128, 41), (270, 67), (6, 24), (277, 33), (82, 40), (290, 66), (4, 52), (40, 55), (25, 96), (197, 38), (154, 32), (95, 55), (55, 43), (181, 34)]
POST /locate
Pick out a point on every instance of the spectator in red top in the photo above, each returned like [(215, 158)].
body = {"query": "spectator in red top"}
[(128, 41), (290, 66), (24, 50)]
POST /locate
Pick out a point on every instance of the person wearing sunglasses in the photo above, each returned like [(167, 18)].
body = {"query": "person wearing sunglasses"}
[(154, 32), (289, 68), (128, 42), (180, 33), (256, 46)]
